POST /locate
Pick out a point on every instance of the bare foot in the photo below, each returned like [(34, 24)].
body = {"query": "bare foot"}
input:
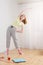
[(20, 52)]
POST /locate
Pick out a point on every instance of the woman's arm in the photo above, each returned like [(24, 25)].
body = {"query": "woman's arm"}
[(21, 13), (21, 30)]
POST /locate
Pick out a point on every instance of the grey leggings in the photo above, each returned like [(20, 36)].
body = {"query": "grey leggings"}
[(11, 33)]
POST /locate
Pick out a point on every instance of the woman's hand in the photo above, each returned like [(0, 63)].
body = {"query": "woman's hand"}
[(19, 31)]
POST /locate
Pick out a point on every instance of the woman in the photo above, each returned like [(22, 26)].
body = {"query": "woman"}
[(11, 31)]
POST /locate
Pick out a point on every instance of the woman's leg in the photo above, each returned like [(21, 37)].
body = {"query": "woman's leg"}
[(8, 37), (13, 33)]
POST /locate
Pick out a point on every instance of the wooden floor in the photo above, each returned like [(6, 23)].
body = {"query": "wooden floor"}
[(33, 57)]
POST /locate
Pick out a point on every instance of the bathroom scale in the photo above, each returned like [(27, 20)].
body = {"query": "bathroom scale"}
[(18, 60)]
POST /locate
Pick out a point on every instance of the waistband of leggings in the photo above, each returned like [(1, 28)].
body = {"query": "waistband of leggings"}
[(12, 26)]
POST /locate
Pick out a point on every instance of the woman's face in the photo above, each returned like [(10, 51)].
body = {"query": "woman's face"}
[(22, 17)]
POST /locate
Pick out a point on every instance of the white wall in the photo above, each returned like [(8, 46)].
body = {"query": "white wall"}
[(33, 34), (8, 13), (33, 31)]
